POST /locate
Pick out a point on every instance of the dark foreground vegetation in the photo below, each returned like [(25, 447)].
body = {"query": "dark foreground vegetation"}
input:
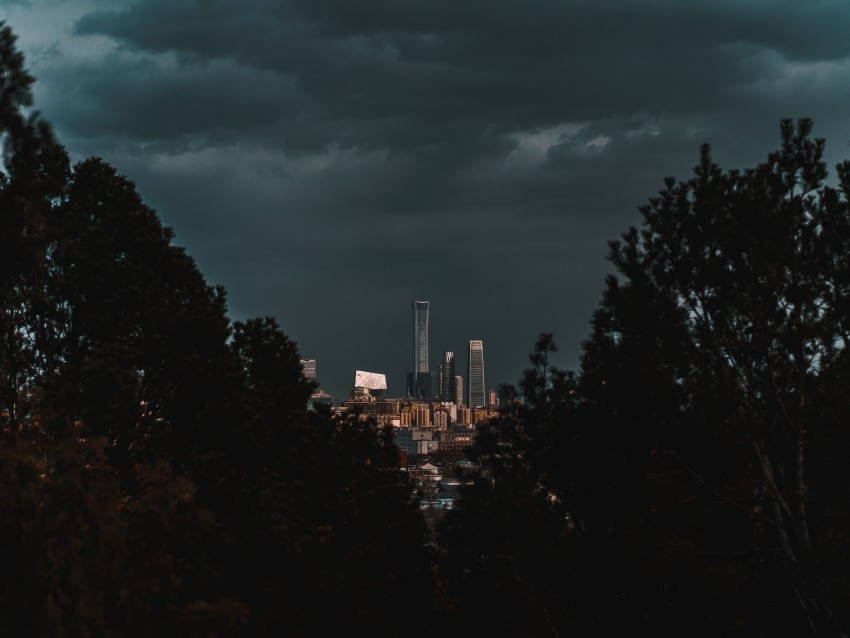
[(160, 475)]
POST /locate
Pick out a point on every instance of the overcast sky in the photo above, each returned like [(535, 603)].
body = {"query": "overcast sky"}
[(331, 161)]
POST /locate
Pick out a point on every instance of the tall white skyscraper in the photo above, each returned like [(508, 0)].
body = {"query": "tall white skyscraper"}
[(475, 375)]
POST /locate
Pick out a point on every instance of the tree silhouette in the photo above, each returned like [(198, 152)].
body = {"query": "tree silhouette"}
[(699, 458), (721, 345), (160, 472)]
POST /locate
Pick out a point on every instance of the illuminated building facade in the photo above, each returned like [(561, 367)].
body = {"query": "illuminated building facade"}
[(309, 368)]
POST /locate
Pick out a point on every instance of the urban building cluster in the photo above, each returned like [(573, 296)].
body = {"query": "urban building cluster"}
[(432, 417)]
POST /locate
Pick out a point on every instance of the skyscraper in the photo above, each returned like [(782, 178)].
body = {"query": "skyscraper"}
[(447, 377), (420, 336), (458, 390), (421, 376), (309, 368), (475, 374)]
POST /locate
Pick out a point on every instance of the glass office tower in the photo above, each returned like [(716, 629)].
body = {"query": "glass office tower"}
[(421, 376), (475, 374), (309, 368), (447, 377)]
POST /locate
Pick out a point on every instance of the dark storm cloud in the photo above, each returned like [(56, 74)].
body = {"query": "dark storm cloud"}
[(508, 64), (142, 101), (449, 81), (323, 155)]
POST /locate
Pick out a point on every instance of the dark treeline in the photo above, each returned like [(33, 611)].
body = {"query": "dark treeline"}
[(161, 476), (693, 479)]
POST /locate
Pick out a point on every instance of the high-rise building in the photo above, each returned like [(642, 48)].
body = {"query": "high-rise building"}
[(441, 419), (447, 377), (424, 386), (422, 415), (458, 390), (309, 368), (420, 336), (419, 381), (475, 375)]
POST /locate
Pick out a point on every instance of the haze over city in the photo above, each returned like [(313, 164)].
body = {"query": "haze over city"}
[(330, 162)]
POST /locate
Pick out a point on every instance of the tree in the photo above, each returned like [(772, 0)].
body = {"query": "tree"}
[(326, 540), (717, 356), (119, 397), (694, 473), (136, 349), (160, 473), (506, 557)]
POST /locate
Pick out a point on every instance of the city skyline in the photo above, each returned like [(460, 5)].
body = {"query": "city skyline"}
[(442, 383), (341, 162)]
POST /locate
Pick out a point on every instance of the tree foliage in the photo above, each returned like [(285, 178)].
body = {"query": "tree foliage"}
[(725, 340), (160, 472), (700, 456)]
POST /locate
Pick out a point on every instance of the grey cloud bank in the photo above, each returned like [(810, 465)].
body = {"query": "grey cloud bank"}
[(329, 162)]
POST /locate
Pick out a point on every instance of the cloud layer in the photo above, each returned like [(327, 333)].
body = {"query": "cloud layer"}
[(330, 162)]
